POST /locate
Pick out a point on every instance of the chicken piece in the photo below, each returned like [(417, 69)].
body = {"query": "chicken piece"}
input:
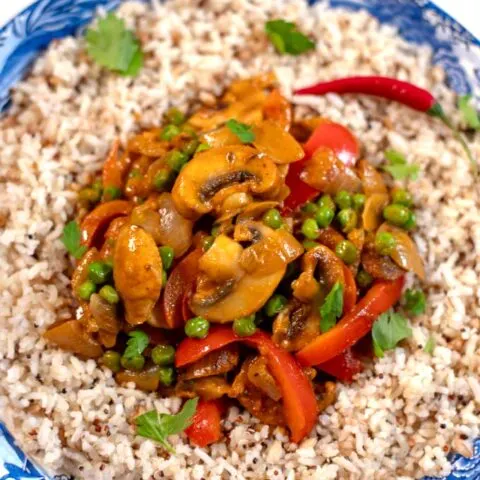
[(137, 273)]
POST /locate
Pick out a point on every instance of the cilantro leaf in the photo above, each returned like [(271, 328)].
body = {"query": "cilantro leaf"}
[(241, 130), (136, 344), (158, 426), (114, 47), (414, 301), (389, 329), (71, 238), (430, 345), (398, 167), (331, 308), (286, 38), (470, 114)]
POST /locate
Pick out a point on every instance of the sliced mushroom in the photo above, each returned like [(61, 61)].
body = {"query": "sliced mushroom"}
[(137, 273), (220, 137), (405, 253), (259, 375), (372, 180), (274, 141), (211, 171), (372, 212), (105, 314), (379, 266)]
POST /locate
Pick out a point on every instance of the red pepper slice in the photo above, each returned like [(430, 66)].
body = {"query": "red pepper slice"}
[(299, 400), (179, 288), (205, 427), (326, 134), (350, 293), (354, 325), (343, 366)]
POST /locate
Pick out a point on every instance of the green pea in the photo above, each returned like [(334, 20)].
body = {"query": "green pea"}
[(162, 179), (207, 242), (89, 195), (202, 147), (411, 222), (135, 173), (108, 293), (273, 219), (245, 326), (309, 207), (111, 360), (189, 130), (309, 244), (275, 305), (164, 277), (197, 327), (190, 147), (99, 272), (169, 132), (326, 201), (163, 355), (134, 363), (175, 116), (176, 160), (167, 255), (402, 197), (324, 216), (86, 290), (215, 230), (385, 243), (364, 279), (347, 218), (396, 214), (310, 229), (111, 193), (343, 199), (166, 375), (346, 251), (358, 201)]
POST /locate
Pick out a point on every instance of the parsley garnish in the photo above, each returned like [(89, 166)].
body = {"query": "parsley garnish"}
[(389, 329), (331, 308), (286, 38), (115, 47), (241, 130), (158, 426), (136, 344), (430, 345), (414, 302), (470, 114), (398, 167), (71, 238)]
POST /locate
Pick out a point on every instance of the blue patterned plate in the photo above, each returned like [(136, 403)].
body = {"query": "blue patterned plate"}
[(418, 21)]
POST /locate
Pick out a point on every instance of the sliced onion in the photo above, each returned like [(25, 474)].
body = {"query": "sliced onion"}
[(104, 314)]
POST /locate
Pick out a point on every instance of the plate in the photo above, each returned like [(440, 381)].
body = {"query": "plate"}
[(418, 21)]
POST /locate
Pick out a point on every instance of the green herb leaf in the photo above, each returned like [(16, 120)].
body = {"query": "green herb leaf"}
[(332, 307), (469, 112), (71, 238), (414, 302), (241, 130), (136, 344), (158, 426), (430, 345), (115, 47), (286, 38), (389, 329), (398, 167)]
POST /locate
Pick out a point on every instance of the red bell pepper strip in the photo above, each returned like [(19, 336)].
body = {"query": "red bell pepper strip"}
[(326, 134), (179, 288), (299, 402), (354, 325), (392, 89), (343, 366), (205, 426), (350, 293)]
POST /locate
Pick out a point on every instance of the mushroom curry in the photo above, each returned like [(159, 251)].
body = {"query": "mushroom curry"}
[(239, 255)]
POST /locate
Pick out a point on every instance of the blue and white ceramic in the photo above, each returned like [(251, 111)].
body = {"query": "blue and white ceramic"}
[(418, 21)]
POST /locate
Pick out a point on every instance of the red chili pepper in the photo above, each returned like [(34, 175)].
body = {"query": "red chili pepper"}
[(354, 325), (205, 427), (392, 89), (299, 402), (327, 134), (343, 366)]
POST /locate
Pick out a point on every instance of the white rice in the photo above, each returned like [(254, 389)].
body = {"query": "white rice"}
[(399, 419)]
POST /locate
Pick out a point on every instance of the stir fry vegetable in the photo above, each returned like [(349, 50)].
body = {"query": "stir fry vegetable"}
[(239, 253)]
